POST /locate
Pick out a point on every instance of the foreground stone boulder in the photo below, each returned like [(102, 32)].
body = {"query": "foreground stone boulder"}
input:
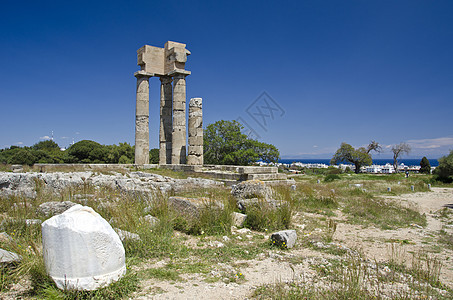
[(284, 238), (81, 250), (251, 189)]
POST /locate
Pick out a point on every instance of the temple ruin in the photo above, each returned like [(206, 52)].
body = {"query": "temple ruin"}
[(168, 64)]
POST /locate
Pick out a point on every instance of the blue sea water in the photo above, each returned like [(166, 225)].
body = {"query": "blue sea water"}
[(407, 162)]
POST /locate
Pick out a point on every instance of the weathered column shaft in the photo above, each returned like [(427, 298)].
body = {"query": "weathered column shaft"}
[(142, 120), (178, 141), (165, 134), (195, 156)]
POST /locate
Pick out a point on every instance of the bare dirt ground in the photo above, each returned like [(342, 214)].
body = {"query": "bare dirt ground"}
[(276, 266)]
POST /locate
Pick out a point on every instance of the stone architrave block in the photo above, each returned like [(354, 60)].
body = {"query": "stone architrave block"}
[(284, 238), (81, 250)]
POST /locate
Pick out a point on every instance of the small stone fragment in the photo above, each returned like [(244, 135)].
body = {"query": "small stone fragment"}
[(33, 222), (239, 219), (284, 238), (5, 238), (153, 221), (8, 257), (126, 235)]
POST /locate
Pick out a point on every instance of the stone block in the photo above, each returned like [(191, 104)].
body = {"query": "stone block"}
[(195, 140), (179, 120), (238, 219), (151, 59), (81, 250), (195, 150), (195, 123), (179, 105), (251, 189), (284, 238), (196, 102), (195, 160), (52, 208)]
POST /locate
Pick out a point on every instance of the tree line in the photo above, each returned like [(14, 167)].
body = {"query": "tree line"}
[(224, 144)]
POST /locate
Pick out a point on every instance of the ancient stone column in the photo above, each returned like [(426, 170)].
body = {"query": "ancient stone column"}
[(178, 141), (195, 156), (165, 134), (142, 118)]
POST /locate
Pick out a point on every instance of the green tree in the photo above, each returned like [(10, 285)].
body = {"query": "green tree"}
[(225, 144), (86, 152), (114, 153), (154, 156), (22, 157), (47, 152), (425, 166), (47, 145), (444, 172), (398, 150), (346, 153)]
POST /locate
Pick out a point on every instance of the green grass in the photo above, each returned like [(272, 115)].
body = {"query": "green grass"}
[(163, 274), (382, 213)]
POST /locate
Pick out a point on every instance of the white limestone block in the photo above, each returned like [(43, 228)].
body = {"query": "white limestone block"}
[(81, 250)]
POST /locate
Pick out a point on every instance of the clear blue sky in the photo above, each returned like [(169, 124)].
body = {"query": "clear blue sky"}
[(341, 71)]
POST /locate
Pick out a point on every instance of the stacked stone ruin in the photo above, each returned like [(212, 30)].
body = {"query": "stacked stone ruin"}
[(168, 64)]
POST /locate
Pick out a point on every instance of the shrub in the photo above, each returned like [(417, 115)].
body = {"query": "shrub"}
[(444, 172), (264, 216), (331, 177), (425, 166)]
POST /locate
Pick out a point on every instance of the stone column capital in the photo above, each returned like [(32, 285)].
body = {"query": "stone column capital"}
[(139, 74), (165, 79)]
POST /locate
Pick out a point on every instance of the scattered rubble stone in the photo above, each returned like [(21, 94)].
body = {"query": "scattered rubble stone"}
[(284, 238), (8, 257), (153, 221), (251, 189), (5, 238), (239, 219), (126, 235), (52, 208)]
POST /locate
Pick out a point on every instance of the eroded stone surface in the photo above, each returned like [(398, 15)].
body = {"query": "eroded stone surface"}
[(195, 151), (25, 183), (53, 208), (251, 189), (81, 250), (238, 219)]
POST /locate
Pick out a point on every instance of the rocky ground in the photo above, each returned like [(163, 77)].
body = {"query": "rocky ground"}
[(300, 263), (331, 251)]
